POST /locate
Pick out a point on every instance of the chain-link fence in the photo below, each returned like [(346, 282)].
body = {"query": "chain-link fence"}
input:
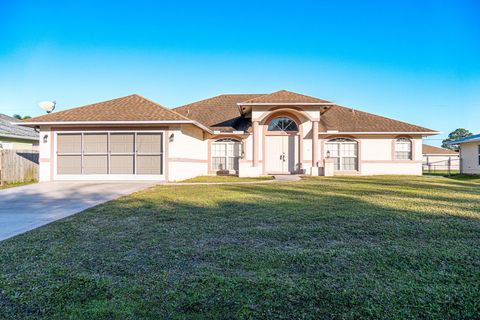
[(442, 167)]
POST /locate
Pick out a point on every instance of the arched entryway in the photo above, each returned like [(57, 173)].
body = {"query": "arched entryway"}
[(282, 145)]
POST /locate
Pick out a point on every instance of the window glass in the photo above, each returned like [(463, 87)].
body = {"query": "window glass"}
[(344, 153), (282, 124), (226, 154), (403, 149)]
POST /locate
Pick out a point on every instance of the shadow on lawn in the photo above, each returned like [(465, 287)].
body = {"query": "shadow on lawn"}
[(237, 251)]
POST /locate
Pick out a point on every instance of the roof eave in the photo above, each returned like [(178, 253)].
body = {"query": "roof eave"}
[(286, 103), (19, 137), (384, 132), (50, 123), (465, 141)]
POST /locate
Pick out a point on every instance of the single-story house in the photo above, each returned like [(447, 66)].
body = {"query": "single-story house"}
[(435, 158), (246, 134), (14, 137), (469, 154)]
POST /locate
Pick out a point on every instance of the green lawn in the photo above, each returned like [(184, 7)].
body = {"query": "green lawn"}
[(226, 179), (322, 248), (441, 172), (464, 177)]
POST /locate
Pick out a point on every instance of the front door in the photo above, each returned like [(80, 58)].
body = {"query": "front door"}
[(282, 155)]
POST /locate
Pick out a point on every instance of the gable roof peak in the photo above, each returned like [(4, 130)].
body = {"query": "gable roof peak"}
[(133, 107), (285, 97)]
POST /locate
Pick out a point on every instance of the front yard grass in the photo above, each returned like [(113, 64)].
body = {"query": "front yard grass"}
[(214, 179), (322, 248)]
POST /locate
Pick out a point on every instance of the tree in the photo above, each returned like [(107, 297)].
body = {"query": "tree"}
[(455, 135), (19, 117)]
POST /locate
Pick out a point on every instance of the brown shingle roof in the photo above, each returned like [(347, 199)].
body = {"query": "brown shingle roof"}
[(428, 149), (218, 113), (130, 108), (284, 96), (350, 120), (222, 113)]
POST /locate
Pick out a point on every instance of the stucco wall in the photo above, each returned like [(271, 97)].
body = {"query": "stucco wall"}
[(45, 154), (469, 156), (376, 155), (187, 153)]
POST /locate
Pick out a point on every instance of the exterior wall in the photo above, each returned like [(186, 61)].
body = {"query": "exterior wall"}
[(187, 149), (376, 155), (303, 116), (469, 156), (45, 155), (187, 153), (18, 144)]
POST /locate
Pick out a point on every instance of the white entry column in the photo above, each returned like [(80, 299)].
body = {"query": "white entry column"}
[(314, 170)]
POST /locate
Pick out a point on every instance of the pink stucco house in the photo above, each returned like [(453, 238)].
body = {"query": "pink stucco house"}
[(246, 134)]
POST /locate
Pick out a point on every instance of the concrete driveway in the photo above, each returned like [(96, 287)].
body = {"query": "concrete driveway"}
[(29, 207)]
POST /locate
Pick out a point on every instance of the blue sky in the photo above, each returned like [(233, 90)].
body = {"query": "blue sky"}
[(417, 61)]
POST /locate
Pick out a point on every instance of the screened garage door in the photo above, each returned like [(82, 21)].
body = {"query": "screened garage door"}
[(110, 153)]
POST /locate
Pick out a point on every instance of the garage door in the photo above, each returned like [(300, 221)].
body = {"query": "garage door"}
[(110, 153)]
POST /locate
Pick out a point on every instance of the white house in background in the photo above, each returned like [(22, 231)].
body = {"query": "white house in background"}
[(469, 154), (245, 134), (435, 158), (13, 137)]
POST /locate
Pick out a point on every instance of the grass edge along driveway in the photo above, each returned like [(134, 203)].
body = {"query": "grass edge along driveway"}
[(334, 248)]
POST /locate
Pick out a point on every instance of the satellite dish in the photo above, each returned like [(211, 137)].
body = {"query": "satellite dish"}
[(48, 106)]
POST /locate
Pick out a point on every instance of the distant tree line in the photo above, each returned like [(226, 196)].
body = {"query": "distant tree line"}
[(19, 117)]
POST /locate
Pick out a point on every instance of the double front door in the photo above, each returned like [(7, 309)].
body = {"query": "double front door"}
[(282, 153)]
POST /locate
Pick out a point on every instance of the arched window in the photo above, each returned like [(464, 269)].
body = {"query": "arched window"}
[(282, 124), (226, 154), (403, 149), (344, 152)]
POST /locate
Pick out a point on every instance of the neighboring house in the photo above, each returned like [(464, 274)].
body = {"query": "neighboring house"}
[(247, 134), (435, 158), (16, 137), (469, 154)]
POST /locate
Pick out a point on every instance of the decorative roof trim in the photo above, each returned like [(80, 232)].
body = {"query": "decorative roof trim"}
[(40, 123), (286, 104), (18, 137), (380, 132), (473, 138)]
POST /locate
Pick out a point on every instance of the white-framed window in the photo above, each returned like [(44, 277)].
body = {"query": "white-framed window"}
[(344, 152), (226, 154), (403, 149), (282, 124)]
